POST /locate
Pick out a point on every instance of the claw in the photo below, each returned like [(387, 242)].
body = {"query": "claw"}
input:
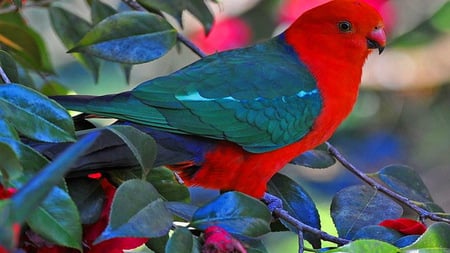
[(272, 202)]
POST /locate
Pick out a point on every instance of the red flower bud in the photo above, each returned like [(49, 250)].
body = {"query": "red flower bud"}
[(218, 240)]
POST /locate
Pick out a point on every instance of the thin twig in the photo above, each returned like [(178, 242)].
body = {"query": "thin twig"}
[(5, 77), (283, 214), (424, 214), (191, 45), (134, 5), (301, 244)]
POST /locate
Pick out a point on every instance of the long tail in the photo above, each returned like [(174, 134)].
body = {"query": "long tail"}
[(108, 105), (109, 152)]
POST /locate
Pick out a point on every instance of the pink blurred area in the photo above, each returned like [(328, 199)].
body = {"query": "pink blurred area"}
[(226, 33), (291, 9)]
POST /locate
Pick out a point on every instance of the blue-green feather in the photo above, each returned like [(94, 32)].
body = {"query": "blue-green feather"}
[(262, 97)]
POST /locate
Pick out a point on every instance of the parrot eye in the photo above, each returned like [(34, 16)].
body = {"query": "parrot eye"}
[(345, 26)]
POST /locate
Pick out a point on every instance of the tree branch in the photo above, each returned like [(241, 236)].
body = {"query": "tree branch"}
[(424, 214), (283, 214)]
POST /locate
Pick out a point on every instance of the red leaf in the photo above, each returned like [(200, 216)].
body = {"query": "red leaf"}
[(405, 226)]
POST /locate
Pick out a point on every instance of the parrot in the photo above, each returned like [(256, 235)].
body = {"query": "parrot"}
[(235, 118)]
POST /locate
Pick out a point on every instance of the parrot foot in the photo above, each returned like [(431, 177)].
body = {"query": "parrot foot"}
[(272, 202)]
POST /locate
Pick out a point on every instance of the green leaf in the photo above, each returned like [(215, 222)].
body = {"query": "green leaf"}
[(358, 206), (167, 185), (435, 239), (18, 3), (9, 66), (57, 219), (29, 197), (6, 227), (235, 212), (298, 203), (26, 46), (31, 160), (34, 115), (129, 37), (372, 246), (6, 130), (441, 19), (406, 182), (13, 17), (141, 144), (62, 22), (89, 197), (100, 11), (181, 241), (253, 245), (377, 232), (158, 244), (137, 211), (175, 8), (318, 158), (10, 166), (53, 88)]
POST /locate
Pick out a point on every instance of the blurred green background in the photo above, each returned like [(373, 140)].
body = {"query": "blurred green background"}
[(402, 115)]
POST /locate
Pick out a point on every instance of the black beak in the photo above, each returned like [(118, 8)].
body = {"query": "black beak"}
[(371, 44)]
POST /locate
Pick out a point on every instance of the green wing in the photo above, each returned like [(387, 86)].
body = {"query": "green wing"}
[(262, 98)]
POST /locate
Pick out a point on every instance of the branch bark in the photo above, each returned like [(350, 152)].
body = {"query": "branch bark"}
[(424, 214)]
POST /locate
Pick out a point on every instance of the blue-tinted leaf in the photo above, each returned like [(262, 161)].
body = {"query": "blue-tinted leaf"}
[(406, 182), (34, 115), (129, 37), (377, 232), (406, 240), (235, 212), (89, 197), (182, 210), (318, 158), (358, 206), (298, 203)]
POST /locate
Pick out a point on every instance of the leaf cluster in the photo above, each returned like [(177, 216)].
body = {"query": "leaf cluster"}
[(149, 201)]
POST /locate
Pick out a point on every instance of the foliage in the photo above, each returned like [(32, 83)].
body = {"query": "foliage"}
[(146, 204)]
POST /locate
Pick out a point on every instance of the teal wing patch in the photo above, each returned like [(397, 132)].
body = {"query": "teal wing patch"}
[(262, 97)]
